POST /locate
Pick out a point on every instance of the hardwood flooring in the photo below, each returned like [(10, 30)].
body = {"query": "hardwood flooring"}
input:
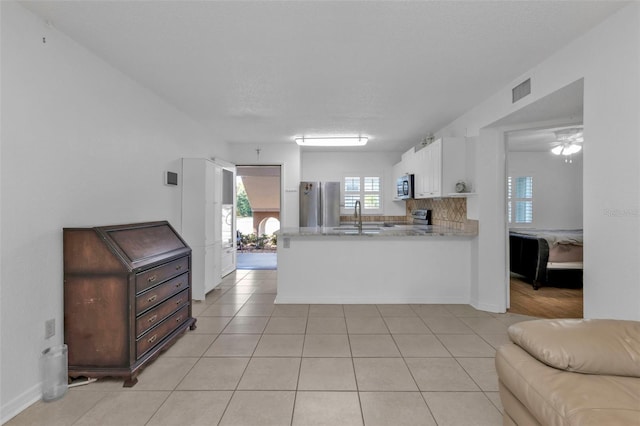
[(546, 302)]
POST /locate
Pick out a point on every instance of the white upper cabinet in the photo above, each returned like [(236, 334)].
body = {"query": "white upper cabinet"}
[(199, 201), (409, 163), (439, 166)]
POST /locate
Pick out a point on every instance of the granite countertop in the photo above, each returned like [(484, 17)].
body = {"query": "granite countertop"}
[(376, 231)]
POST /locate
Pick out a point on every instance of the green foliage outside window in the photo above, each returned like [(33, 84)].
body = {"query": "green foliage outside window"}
[(243, 205)]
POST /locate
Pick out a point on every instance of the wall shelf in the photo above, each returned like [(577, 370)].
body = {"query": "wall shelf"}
[(461, 194)]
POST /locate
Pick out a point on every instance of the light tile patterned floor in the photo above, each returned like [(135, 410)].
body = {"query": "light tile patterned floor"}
[(252, 363)]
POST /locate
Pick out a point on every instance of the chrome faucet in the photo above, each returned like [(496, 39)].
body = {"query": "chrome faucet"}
[(357, 213)]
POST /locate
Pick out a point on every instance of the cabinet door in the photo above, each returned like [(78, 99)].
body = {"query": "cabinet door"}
[(228, 261), (435, 175), (411, 163), (209, 203), (198, 275), (216, 249), (421, 178), (212, 268), (194, 188), (199, 198), (216, 214)]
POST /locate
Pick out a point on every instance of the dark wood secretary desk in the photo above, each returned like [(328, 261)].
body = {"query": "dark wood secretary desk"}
[(127, 297)]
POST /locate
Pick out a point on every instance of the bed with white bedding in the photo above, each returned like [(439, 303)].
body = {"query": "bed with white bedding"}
[(547, 256)]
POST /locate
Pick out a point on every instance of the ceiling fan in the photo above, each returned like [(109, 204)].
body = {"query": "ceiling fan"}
[(568, 142)]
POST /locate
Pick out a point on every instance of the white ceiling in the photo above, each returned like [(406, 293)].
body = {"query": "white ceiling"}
[(267, 71)]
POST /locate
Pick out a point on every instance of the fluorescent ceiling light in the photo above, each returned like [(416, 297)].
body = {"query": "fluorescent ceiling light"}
[(332, 141)]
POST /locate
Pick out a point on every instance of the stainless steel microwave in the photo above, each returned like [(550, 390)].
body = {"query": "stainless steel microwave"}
[(404, 187)]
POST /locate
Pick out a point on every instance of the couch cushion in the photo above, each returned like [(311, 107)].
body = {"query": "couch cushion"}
[(585, 346), (560, 398)]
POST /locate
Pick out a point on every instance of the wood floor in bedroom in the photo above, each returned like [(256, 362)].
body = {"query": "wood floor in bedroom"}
[(546, 302)]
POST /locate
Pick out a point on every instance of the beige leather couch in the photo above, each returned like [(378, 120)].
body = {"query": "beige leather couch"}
[(571, 372)]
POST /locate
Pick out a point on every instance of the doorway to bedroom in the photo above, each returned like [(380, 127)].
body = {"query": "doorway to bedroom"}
[(544, 183)]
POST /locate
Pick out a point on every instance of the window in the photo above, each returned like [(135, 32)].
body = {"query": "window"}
[(520, 199), (364, 188)]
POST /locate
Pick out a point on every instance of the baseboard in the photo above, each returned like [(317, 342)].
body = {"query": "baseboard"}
[(488, 307), (369, 301), (20, 403)]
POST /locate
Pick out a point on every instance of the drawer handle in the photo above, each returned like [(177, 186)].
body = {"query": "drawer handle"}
[(178, 285), (178, 267), (179, 301), (179, 318), (152, 338), (152, 278), (153, 318), (152, 298)]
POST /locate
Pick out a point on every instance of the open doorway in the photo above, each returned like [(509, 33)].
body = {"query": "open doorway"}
[(564, 107), (544, 216), (258, 215)]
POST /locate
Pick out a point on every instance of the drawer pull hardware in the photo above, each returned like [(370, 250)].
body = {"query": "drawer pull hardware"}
[(152, 338), (179, 285), (179, 318), (152, 298), (152, 278), (178, 267), (179, 301), (153, 318)]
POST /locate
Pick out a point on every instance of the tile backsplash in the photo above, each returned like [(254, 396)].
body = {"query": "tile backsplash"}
[(449, 212)]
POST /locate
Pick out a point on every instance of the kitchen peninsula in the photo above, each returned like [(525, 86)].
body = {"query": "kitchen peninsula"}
[(375, 264)]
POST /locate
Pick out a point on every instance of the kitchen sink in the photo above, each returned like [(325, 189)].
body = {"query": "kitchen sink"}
[(351, 229)]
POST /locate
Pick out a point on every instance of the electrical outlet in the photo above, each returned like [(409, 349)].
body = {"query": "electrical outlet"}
[(49, 328)]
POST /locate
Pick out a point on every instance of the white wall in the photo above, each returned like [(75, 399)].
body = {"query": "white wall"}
[(557, 188), (608, 58), (332, 166), (82, 145), (288, 156)]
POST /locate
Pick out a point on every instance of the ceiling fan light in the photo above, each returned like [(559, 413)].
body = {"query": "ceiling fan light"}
[(569, 135), (332, 141), (557, 150), (572, 149)]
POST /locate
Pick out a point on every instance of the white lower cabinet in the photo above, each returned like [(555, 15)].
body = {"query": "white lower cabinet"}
[(205, 275), (216, 266)]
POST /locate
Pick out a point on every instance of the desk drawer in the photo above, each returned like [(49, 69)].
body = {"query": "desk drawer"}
[(159, 313), (147, 279), (158, 294), (157, 334)]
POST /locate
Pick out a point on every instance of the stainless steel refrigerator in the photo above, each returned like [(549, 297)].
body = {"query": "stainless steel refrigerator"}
[(319, 204)]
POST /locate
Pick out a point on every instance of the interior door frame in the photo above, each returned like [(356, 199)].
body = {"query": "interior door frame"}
[(541, 125)]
